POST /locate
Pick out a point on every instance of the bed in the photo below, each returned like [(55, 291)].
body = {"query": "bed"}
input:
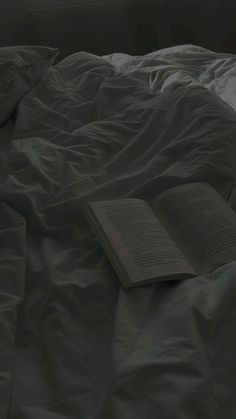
[(87, 127)]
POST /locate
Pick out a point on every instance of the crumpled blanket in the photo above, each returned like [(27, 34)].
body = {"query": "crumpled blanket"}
[(73, 343)]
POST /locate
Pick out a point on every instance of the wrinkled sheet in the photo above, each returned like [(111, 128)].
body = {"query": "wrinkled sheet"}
[(73, 343)]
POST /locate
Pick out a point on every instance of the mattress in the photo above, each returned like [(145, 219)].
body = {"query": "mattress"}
[(74, 344)]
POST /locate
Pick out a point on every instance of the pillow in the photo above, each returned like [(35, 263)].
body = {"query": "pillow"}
[(20, 68)]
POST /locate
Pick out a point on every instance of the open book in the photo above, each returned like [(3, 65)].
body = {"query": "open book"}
[(186, 231)]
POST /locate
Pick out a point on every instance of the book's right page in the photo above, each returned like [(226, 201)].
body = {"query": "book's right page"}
[(201, 223)]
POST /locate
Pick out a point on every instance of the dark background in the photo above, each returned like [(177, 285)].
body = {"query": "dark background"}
[(106, 26)]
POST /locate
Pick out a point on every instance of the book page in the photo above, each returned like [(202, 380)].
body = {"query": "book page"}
[(201, 222), (132, 232)]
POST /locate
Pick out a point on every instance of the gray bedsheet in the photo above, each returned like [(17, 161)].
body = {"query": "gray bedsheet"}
[(73, 344)]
